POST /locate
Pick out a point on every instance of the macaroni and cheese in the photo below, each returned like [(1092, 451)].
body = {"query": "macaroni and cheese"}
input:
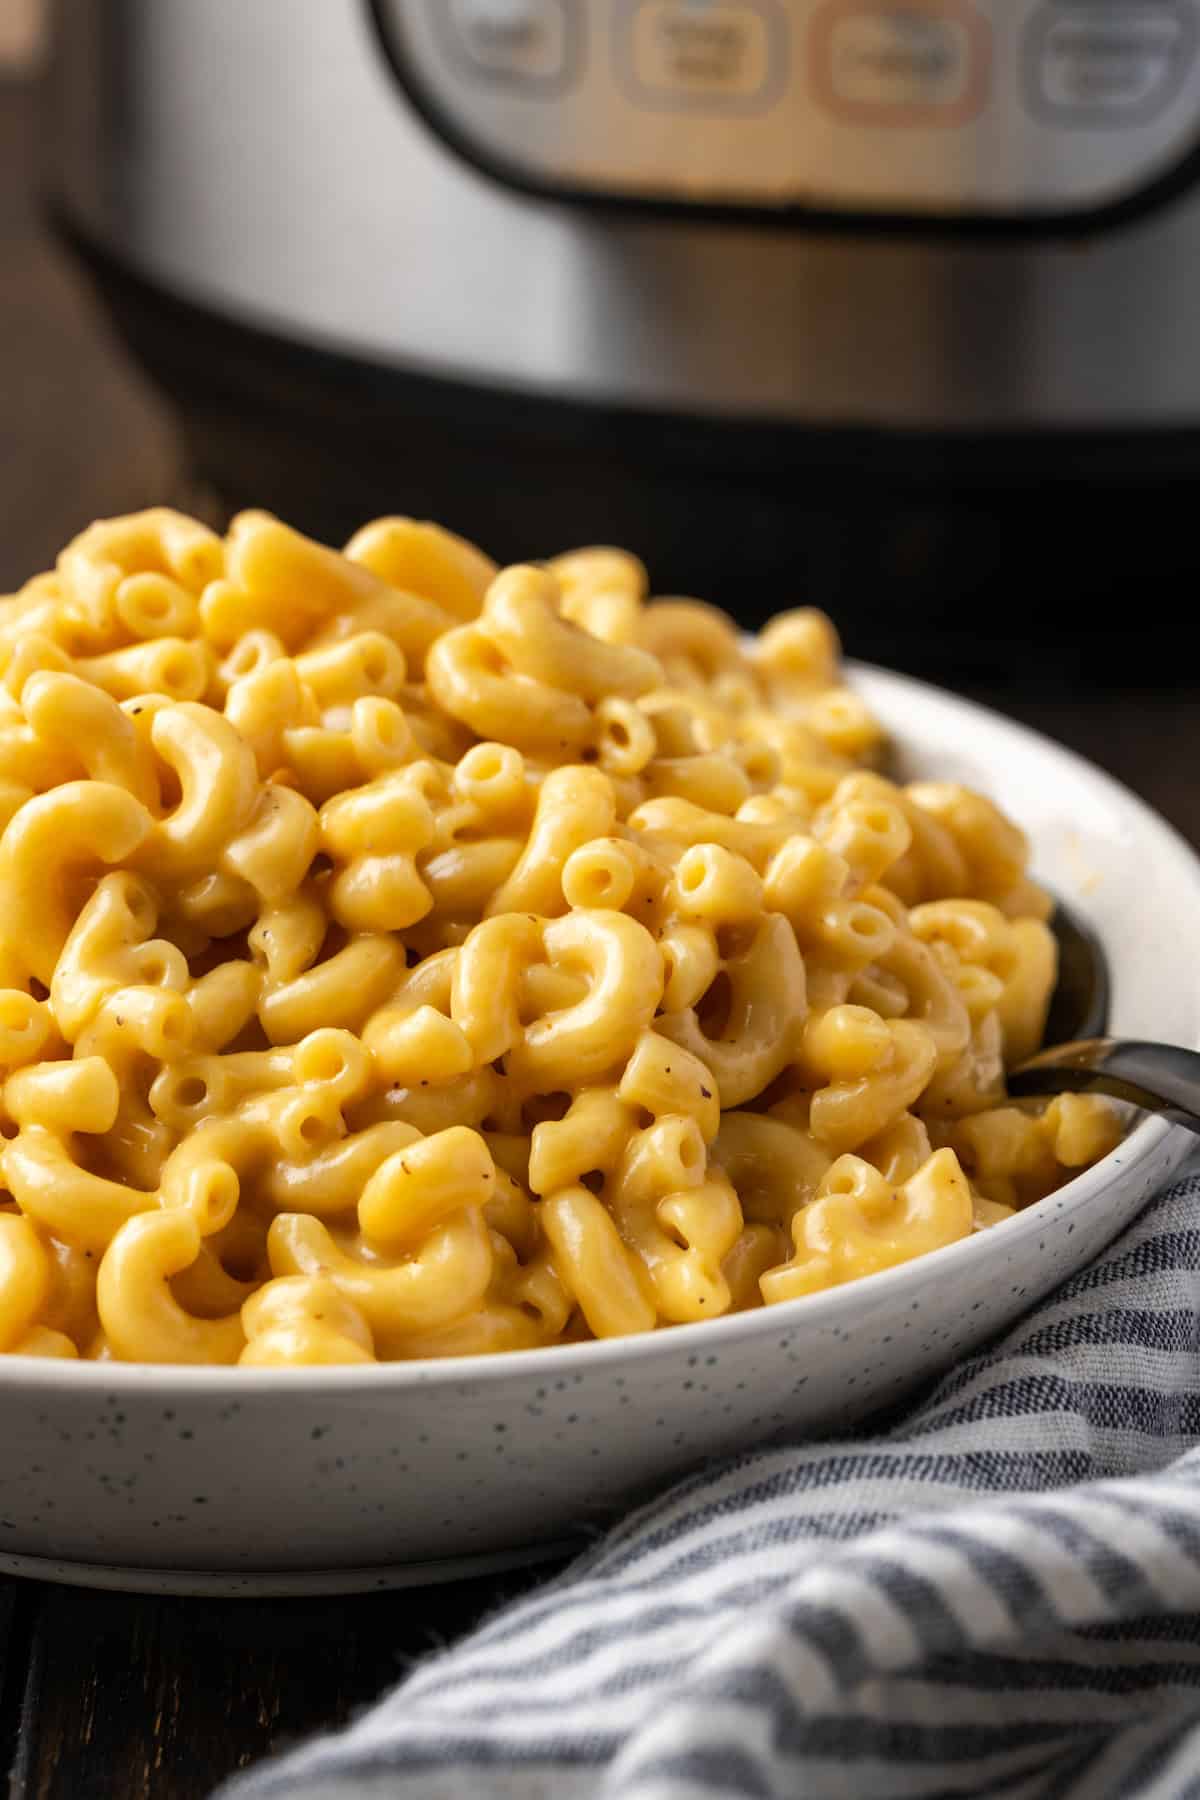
[(404, 957)]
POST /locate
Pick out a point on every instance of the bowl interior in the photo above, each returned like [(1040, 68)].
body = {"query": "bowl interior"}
[(1096, 844), (1100, 847)]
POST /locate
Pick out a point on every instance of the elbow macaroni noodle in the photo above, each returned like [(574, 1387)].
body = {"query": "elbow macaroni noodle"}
[(401, 957)]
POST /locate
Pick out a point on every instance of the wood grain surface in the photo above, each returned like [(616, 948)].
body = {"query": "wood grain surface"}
[(112, 1696), (107, 1697)]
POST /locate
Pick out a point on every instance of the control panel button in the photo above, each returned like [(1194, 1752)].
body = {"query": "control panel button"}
[(918, 62), (522, 43), (705, 55), (1108, 64)]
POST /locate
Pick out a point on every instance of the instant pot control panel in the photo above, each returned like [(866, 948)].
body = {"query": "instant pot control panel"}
[(951, 108)]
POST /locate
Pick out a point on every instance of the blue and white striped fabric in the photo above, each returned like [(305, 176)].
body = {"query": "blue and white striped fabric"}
[(998, 1596)]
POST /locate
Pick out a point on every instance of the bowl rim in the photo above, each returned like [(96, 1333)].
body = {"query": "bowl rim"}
[(226, 1382)]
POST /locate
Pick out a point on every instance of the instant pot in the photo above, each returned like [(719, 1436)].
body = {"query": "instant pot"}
[(888, 305)]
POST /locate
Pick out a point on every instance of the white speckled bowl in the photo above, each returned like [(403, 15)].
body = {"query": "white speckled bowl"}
[(261, 1481)]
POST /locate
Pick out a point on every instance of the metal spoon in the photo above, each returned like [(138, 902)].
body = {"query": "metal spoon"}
[(1160, 1078)]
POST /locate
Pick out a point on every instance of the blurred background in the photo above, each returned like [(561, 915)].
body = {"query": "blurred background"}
[(915, 339), (81, 433)]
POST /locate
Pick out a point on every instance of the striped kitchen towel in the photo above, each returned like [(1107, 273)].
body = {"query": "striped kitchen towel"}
[(999, 1595)]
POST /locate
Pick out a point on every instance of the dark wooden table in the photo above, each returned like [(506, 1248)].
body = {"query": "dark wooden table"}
[(119, 1697)]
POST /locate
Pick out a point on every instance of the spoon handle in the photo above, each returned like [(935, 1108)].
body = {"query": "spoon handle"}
[(1162, 1078)]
